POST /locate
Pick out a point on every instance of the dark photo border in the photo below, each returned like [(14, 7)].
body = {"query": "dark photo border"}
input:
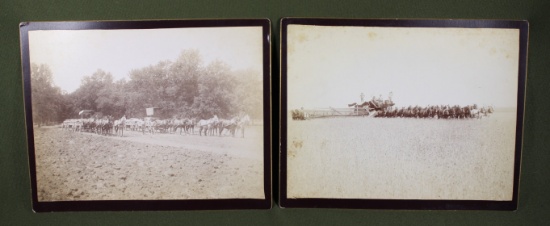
[(286, 202), (138, 205)]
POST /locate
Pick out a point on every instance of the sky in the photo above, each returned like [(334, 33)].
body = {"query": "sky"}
[(330, 66), (73, 54)]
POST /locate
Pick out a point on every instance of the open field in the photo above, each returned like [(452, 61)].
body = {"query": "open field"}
[(85, 166), (398, 158)]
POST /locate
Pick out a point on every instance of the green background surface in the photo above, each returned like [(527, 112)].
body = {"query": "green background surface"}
[(15, 193)]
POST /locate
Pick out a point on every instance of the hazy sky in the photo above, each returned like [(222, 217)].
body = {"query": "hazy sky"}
[(72, 54), (332, 65)]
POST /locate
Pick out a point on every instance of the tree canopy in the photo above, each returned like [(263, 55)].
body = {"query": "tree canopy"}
[(181, 88), (48, 103)]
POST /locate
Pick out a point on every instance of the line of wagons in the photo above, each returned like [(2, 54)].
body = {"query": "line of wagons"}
[(108, 126)]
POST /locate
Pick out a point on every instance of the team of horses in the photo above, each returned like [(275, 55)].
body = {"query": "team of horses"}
[(207, 127), (215, 126), (386, 109), (436, 111), (389, 111), (103, 126)]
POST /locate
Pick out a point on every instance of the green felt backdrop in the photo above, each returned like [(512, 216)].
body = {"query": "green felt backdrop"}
[(15, 198)]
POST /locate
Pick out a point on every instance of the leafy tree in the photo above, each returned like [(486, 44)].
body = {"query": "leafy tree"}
[(111, 99), (249, 93), (183, 88), (216, 92), (183, 78), (149, 87), (87, 96), (47, 101)]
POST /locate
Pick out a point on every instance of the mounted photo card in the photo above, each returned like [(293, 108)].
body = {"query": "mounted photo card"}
[(148, 115), (402, 114)]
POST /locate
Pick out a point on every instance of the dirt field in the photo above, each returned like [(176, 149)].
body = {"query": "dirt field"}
[(394, 158), (85, 166)]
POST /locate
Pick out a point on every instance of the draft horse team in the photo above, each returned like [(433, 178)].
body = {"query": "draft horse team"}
[(103, 126), (207, 127)]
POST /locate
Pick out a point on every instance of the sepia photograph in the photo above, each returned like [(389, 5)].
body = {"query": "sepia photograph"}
[(161, 110), (402, 110)]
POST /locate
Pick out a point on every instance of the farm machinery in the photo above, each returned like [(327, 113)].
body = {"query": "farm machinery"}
[(364, 108)]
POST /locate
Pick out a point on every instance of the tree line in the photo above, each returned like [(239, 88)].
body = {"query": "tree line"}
[(181, 88)]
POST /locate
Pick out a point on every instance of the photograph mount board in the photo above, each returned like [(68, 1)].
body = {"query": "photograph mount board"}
[(402, 114), (148, 115)]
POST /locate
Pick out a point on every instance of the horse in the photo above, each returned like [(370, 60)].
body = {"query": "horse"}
[(475, 113), (490, 110), (243, 122), (392, 113), (119, 125), (411, 112), (190, 125), (161, 125), (214, 128), (178, 124), (445, 113), (230, 125), (174, 124), (86, 124), (98, 125), (463, 112), (148, 125), (138, 124), (68, 124), (106, 126), (133, 124), (206, 125), (184, 125)]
